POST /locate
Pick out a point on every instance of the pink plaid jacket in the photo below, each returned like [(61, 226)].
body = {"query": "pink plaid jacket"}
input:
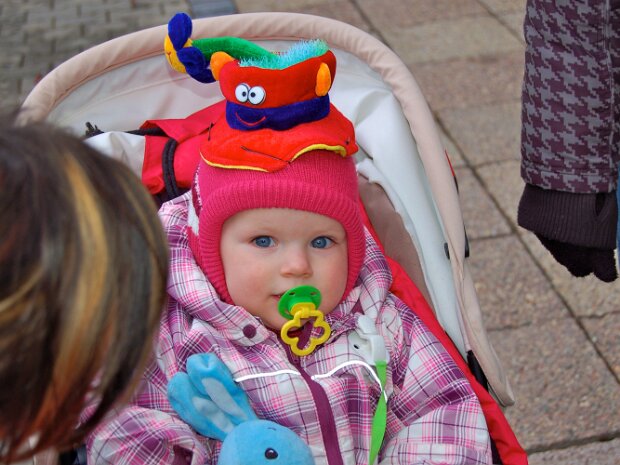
[(328, 397)]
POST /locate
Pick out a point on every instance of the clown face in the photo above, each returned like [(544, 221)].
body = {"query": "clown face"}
[(278, 99)]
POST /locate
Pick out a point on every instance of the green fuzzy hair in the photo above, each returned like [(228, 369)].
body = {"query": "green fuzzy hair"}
[(299, 52)]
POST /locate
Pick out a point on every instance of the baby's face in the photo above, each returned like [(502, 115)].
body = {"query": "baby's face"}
[(265, 252)]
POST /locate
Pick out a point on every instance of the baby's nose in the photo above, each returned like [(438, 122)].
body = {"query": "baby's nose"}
[(296, 263)]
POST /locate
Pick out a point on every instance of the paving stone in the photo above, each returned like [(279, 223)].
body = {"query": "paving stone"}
[(454, 154), (443, 40), (126, 9), (64, 33), (247, 6), (596, 453), (9, 86), (503, 6), (605, 332), (34, 32), (183, 4), (471, 81), (12, 33), (59, 4), (11, 101), (36, 61), (514, 22), (65, 15), (40, 12), (341, 10), (42, 34), (10, 60), (511, 288), (481, 216), (94, 9), (10, 26), (503, 182), (95, 37), (564, 392), (119, 28), (145, 5), (488, 133), (13, 7), (18, 72), (150, 19), (73, 24), (201, 9), (405, 13), (65, 49), (26, 85), (586, 296), (168, 11)]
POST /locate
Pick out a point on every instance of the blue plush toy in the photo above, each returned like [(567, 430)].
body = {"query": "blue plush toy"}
[(209, 400)]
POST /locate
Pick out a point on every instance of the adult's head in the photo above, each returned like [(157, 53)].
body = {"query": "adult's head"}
[(83, 268)]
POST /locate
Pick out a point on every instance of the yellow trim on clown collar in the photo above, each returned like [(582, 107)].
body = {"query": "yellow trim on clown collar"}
[(231, 167), (236, 167), (339, 149)]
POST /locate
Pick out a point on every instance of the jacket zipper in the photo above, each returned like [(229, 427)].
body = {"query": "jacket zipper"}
[(326, 418)]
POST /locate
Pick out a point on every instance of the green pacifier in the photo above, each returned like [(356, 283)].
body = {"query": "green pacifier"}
[(300, 303)]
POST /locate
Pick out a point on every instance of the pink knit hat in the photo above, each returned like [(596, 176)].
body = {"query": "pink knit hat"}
[(319, 181), (280, 143)]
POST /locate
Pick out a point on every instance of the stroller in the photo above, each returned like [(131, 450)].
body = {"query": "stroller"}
[(406, 182)]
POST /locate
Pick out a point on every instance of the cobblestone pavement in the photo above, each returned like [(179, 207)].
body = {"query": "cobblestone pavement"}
[(558, 336)]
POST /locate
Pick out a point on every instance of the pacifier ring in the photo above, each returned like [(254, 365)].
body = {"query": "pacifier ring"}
[(297, 304)]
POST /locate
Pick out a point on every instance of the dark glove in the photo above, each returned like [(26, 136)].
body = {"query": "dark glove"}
[(581, 261), (579, 230)]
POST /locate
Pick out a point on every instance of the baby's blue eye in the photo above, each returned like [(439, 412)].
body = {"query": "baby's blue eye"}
[(263, 241), (321, 242)]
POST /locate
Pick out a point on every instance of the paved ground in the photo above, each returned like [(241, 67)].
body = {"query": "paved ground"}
[(558, 336)]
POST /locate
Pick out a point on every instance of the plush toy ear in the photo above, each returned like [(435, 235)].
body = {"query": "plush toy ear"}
[(179, 30), (171, 56), (200, 412), (323, 80), (195, 64), (213, 379), (218, 60), (181, 53), (208, 398)]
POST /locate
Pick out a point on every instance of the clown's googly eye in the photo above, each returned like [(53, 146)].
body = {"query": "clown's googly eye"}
[(257, 95), (241, 92)]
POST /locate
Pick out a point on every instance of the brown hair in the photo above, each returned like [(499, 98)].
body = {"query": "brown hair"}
[(83, 268)]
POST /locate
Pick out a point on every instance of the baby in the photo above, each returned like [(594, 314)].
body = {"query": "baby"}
[(360, 378)]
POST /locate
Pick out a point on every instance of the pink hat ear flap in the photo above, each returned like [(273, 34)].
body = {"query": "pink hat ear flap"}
[(193, 221)]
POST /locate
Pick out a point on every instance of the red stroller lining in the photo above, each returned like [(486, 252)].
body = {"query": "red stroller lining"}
[(508, 447)]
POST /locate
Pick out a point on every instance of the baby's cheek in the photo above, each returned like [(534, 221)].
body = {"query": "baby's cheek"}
[(337, 278)]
